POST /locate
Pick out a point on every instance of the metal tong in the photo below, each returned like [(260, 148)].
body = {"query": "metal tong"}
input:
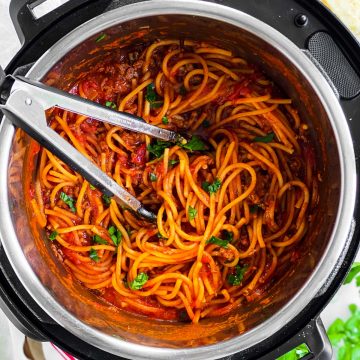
[(25, 108)]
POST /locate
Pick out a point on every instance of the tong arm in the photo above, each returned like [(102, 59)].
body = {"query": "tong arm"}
[(49, 97), (25, 112)]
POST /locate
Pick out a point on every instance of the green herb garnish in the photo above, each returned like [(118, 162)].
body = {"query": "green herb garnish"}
[(94, 255), (101, 37), (112, 230), (99, 240), (183, 316), (156, 104), (217, 241), (165, 120), (115, 235), (355, 269), (92, 187), (153, 177), (253, 208), (195, 144), (106, 199), (139, 281), (182, 90), (192, 213), (53, 235), (150, 95), (206, 123), (161, 236), (265, 139), (298, 353), (158, 147), (236, 279), (110, 104), (228, 235), (172, 162), (212, 188), (69, 201)]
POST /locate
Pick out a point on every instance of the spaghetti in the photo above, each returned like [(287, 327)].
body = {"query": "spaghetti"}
[(230, 210)]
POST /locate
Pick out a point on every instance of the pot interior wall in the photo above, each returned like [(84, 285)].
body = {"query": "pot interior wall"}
[(88, 308)]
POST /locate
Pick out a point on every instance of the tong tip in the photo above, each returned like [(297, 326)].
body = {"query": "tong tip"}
[(181, 139), (146, 214)]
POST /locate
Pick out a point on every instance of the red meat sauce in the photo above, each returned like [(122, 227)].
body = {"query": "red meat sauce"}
[(158, 312), (106, 83), (110, 81)]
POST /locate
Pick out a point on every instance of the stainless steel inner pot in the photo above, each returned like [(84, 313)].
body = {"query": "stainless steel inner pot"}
[(132, 336)]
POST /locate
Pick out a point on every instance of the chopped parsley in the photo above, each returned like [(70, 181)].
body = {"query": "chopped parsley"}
[(192, 213), (217, 241), (106, 199), (228, 235), (94, 255), (68, 200), (156, 104), (265, 139), (165, 120), (92, 187), (110, 104), (195, 144), (182, 90), (237, 278), (152, 98), (254, 208), (115, 235), (100, 37), (172, 162), (160, 235), (53, 235), (183, 316), (99, 240), (153, 177), (158, 147), (212, 188), (139, 281), (150, 95), (206, 123)]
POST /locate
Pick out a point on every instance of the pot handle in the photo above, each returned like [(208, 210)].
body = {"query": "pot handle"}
[(28, 26), (339, 72), (314, 336), (342, 75)]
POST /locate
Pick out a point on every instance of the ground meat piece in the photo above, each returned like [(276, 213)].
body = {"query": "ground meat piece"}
[(121, 85), (130, 74), (132, 139), (262, 185)]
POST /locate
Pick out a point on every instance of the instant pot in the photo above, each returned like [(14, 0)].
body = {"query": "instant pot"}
[(314, 58)]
